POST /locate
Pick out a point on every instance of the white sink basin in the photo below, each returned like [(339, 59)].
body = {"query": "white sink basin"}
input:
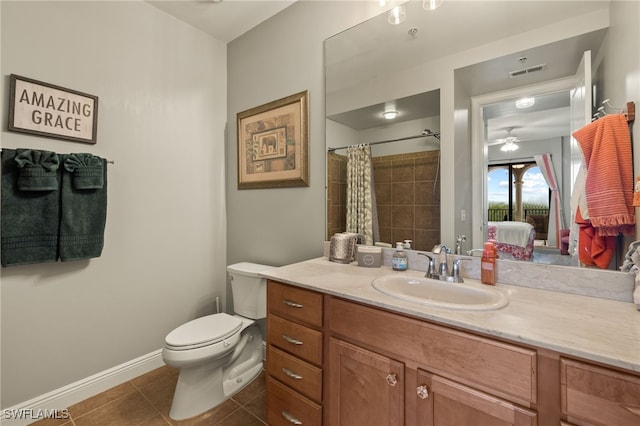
[(441, 294)]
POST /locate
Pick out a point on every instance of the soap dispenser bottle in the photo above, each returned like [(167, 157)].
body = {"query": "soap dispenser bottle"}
[(488, 265), (494, 246), (399, 260)]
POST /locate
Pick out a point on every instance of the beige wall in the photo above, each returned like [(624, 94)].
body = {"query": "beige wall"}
[(162, 91)]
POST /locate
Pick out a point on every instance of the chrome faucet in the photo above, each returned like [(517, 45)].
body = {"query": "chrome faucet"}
[(443, 268)]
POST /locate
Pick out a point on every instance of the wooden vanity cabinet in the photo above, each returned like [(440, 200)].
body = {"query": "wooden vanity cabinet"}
[(335, 362), (294, 355), (386, 368)]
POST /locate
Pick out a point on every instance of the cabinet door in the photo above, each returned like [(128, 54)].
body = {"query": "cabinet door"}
[(365, 388), (442, 402)]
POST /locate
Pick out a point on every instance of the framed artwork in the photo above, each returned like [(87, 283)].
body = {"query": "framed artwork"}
[(273, 144), (47, 110)]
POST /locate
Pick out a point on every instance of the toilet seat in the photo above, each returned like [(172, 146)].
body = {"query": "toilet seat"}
[(204, 331)]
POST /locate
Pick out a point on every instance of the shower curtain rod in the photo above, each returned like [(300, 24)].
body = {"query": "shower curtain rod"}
[(425, 134)]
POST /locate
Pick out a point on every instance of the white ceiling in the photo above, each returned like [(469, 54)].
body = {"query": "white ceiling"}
[(225, 20)]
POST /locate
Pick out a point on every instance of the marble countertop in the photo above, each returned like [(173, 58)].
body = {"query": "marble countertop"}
[(591, 328)]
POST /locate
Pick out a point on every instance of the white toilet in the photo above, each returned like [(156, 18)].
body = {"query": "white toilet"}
[(219, 354)]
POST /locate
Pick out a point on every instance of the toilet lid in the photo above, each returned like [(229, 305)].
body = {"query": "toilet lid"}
[(203, 331)]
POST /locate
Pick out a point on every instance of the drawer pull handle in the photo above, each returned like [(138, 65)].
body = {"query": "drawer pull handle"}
[(292, 304), (632, 408), (291, 418), (392, 379), (291, 374), (423, 391), (291, 340)]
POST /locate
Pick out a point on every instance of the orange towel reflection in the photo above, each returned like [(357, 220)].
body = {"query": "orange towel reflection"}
[(593, 249)]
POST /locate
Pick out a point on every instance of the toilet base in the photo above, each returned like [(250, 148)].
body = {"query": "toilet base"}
[(233, 386), (206, 386)]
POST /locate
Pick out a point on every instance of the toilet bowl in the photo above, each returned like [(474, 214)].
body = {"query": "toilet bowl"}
[(219, 354)]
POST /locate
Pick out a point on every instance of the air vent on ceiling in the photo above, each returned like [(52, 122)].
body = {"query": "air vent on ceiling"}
[(526, 71)]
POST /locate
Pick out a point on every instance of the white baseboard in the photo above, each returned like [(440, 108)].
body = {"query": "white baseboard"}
[(56, 402)]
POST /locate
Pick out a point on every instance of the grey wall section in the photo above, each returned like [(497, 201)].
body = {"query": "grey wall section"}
[(162, 111), (280, 57), (622, 66)]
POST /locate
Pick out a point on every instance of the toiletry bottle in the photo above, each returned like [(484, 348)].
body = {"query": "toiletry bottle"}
[(494, 246), (488, 265), (399, 260)]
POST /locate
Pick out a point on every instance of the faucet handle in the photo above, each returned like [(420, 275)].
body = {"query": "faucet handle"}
[(455, 271), (431, 270)]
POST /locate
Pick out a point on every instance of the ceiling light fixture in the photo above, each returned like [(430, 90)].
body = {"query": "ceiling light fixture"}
[(509, 146), (525, 103), (431, 4), (390, 115), (509, 142), (397, 15)]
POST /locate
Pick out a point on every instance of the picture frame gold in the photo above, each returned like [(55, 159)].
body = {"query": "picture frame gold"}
[(273, 144)]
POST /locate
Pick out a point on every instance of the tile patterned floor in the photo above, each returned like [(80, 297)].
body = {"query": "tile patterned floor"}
[(146, 400)]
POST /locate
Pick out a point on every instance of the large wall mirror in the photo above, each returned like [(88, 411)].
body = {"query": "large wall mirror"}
[(466, 64)]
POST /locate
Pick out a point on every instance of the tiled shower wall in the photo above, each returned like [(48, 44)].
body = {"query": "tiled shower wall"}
[(336, 193), (407, 193)]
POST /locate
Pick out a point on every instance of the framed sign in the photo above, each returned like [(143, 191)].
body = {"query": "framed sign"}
[(46, 110), (273, 144)]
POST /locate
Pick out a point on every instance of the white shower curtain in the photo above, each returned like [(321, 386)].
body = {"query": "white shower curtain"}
[(362, 215), (556, 216)]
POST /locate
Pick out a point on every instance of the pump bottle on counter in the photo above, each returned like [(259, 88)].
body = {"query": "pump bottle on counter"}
[(488, 265)]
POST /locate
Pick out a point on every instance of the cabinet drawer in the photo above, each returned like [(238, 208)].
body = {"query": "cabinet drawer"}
[(299, 375), (505, 370), (294, 303), (301, 341), (285, 407), (599, 395)]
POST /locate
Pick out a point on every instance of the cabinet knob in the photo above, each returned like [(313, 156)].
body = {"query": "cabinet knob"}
[(423, 391), (292, 304), (291, 418), (291, 340), (392, 379)]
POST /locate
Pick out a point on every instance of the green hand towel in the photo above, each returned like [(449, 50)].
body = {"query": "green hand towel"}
[(30, 219), (83, 211), (87, 170), (37, 170)]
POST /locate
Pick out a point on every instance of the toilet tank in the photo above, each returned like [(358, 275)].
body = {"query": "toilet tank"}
[(249, 289)]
